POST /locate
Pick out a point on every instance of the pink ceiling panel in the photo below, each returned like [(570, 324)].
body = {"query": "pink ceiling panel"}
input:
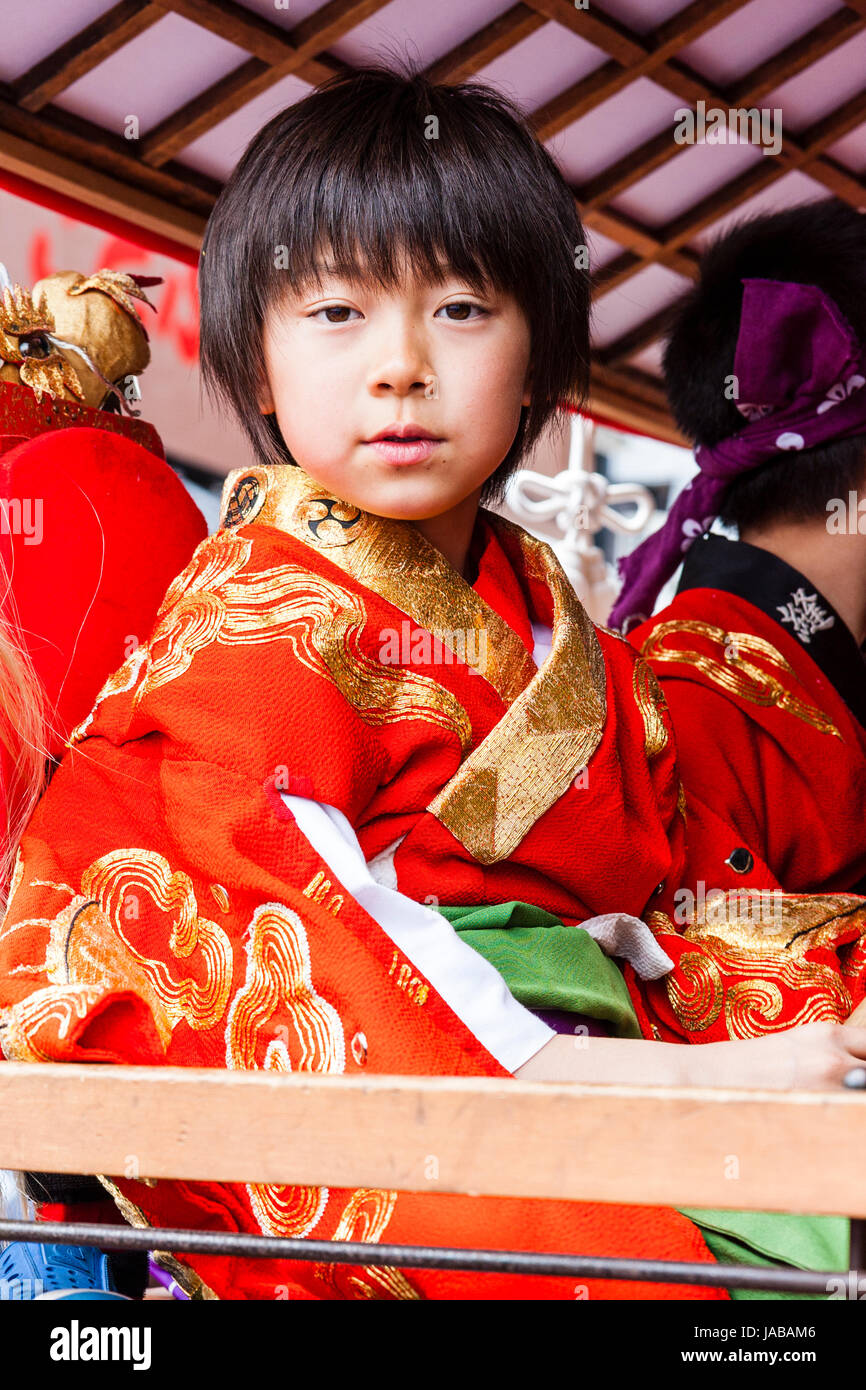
[(820, 89), (693, 173), (751, 35), (599, 139), (640, 15), (40, 28), (543, 65), (217, 151), (628, 305), (287, 14), (649, 360), (419, 33), (786, 192), (851, 151), (601, 249), (152, 76)]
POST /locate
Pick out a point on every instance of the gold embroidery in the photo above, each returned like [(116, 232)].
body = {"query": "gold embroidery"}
[(318, 889), (220, 897), (278, 1022), (396, 562), (24, 1020), (762, 922), (365, 1217), (766, 936), (215, 601), (650, 702), (728, 668), (697, 1003), (417, 991), (125, 882), (85, 948), (547, 735), (88, 952)]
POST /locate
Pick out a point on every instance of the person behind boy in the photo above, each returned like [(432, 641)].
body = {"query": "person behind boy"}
[(760, 652), (337, 723)]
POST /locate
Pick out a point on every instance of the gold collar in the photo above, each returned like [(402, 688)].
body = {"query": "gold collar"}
[(556, 714)]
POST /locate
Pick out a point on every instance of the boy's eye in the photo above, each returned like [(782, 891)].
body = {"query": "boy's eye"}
[(462, 312), (460, 306), (338, 309)]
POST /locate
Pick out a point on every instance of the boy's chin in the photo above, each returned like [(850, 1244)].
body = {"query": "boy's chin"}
[(405, 499)]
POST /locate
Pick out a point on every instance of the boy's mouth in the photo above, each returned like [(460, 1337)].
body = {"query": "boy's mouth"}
[(399, 444), (402, 433)]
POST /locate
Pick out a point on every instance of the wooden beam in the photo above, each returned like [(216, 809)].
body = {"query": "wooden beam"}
[(613, 403), (808, 158), (94, 149), (690, 24), (489, 43), (499, 1138), (796, 57), (618, 226), (631, 380), (577, 100), (646, 247), (596, 28), (238, 25), (306, 42), (83, 52), (261, 39), (637, 338), (661, 148), (102, 191), (650, 55)]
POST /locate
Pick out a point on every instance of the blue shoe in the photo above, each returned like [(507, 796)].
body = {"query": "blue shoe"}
[(31, 1271)]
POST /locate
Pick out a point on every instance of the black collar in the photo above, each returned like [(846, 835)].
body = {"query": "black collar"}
[(786, 596)]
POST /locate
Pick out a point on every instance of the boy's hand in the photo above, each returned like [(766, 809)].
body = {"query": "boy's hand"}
[(813, 1057)]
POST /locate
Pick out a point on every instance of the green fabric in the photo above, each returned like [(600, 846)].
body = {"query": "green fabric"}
[(769, 1239), (548, 965), (545, 964)]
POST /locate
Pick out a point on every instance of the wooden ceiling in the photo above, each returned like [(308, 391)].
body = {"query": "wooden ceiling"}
[(149, 183)]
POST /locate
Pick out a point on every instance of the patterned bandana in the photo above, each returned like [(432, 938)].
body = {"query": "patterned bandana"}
[(800, 372)]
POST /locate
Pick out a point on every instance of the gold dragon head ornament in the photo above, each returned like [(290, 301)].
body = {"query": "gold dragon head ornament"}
[(75, 337)]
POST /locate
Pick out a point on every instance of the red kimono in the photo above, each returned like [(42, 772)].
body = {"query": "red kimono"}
[(767, 688), (80, 509), (328, 727)]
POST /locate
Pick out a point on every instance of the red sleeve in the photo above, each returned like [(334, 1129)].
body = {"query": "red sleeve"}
[(720, 757), (93, 530)]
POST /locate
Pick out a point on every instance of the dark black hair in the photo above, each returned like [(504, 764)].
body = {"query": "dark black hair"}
[(348, 169), (821, 243)]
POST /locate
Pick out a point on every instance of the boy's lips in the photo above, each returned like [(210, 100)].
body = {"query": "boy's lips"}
[(412, 449), (401, 429)]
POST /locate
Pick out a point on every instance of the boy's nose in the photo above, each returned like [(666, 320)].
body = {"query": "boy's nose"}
[(403, 366)]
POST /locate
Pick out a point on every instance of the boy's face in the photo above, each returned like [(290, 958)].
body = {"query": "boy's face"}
[(349, 361)]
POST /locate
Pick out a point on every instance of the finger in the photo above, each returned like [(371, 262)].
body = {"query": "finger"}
[(853, 1040)]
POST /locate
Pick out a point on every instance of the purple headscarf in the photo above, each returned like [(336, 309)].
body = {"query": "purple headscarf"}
[(800, 374)]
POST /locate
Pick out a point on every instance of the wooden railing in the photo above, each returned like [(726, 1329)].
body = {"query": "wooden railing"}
[(736, 1149), (740, 1149)]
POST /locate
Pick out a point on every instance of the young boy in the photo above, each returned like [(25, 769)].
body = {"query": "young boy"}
[(760, 652), (338, 722)]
